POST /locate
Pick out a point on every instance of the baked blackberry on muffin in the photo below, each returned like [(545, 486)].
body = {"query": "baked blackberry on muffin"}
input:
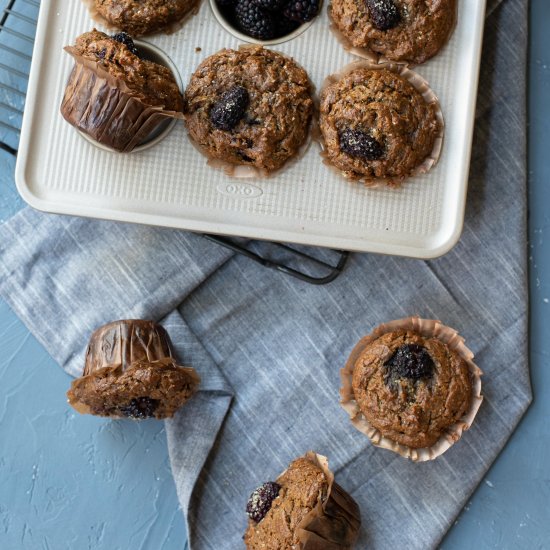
[(410, 31), (413, 384), (377, 126), (138, 17), (114, 95), (250, 107), (131, 372), (303, 509)]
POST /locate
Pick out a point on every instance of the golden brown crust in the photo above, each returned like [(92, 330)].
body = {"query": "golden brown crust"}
[(138, 17), (425, 27), (385, 105), (414, 413), (277, 120)]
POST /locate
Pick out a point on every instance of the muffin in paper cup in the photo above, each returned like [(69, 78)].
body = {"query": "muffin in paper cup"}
[(110, 107), (410, 382), (389, 160), (142, 17), (359, 36), (332, 523), (130, 372), (249, 111)]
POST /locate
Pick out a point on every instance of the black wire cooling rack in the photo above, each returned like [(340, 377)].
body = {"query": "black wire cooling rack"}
[(17, 31)]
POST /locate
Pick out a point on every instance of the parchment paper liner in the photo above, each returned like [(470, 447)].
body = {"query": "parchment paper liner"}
[(245, 170), (427, 328), (106, 109), (370, 55), (123, 346), (334, 523), (422, 86), (169, 29)]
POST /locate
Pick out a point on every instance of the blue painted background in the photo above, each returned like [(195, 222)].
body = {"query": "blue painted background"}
[(69, 482)]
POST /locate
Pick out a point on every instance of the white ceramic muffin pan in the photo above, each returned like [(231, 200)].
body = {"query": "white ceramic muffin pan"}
[(171, 185)]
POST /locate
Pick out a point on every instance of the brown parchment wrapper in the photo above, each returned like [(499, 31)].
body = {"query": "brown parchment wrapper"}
[(422, 86), (168, 29), (427, 328), (335, 521), (104, 108), (245, 171), (127, 346), (375, 57)]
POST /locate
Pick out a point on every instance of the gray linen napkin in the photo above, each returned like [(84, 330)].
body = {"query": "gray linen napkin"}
[(276, 344)]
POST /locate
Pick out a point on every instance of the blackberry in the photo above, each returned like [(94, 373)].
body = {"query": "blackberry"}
[(301, 10), (286, 26), (230, 108), (260, 500), (255, 21), (356, 143), (269, 5), (383, 14), (409, 361), (140, 408), (126, 39)]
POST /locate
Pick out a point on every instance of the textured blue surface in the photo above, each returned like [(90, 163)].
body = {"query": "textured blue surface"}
[(70, 482)]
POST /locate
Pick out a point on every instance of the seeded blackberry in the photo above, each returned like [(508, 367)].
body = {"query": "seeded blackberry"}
[(301, 10), (260, 500), (269, 5), (230, 108), (126, 39), (383, 14), (255, 21), (356, 143), (140, 408), (409, 361)]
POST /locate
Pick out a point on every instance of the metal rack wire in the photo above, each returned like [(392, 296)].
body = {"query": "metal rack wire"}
[(17, 30)]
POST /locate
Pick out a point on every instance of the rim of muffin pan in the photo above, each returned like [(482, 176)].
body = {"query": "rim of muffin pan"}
[(232, 29), (151, 53)]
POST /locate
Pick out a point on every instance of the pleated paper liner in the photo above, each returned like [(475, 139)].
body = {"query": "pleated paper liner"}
[(168, 29), (247, 171), (103, 107), (422, 86), (371, 55), (427, 328), (335, 521)]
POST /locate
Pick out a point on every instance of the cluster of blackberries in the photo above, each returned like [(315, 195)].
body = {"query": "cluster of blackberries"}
[(268, 19)]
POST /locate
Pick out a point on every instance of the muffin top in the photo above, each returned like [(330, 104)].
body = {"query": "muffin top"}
[(400, 30), (250, 106), (376, 125), (411, 388), (300, 488), (139, 17), (154, 84)]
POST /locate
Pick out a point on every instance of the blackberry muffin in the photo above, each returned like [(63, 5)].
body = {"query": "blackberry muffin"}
[(138, 17), (250, 107), (377, 126), (412, 387), (303, 509), (114, 95), (130, 372), (410, 31)]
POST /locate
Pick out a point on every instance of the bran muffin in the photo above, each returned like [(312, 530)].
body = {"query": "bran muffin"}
[(410, 31), (251, 107), (303, 509), (377, 126), (113, 95), (412, 387), (130, 372), (139, 17)]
